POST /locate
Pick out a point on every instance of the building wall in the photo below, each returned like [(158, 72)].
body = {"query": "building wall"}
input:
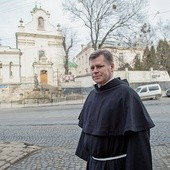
[(120, 55), (134, 78), (10, 71), (10, 65), (82, 61)]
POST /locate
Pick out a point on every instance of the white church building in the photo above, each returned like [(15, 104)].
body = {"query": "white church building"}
[(39, 54), (41, 47)]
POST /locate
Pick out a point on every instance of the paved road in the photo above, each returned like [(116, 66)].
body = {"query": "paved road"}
[(55, 130)]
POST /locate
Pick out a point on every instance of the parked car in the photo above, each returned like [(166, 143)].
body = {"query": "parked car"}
[(150, 91), (168, 92)]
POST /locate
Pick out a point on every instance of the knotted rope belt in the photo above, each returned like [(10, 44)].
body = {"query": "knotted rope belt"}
[(110, 158)]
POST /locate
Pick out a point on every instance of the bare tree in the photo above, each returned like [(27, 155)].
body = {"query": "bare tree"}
[(69, 41), (163, 29), (105, 19)]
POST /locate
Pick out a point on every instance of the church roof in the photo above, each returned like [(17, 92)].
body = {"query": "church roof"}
[(35, 9)]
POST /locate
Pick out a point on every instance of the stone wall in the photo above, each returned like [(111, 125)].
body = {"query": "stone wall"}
[(135, 78)]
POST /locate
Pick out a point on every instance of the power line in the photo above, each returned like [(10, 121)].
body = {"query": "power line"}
[(13, 2), (14, 7), (159, 13)]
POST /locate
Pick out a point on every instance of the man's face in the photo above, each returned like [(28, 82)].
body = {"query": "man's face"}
[(101, 70)]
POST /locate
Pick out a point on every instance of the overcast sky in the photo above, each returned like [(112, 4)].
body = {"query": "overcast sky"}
[(159, 9), (12, 10)]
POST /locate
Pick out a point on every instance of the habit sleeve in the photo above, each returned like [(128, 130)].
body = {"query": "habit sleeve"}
[(138, 151), (81, 150)]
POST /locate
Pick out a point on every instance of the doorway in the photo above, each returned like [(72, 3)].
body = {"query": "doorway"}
[(43, 77)]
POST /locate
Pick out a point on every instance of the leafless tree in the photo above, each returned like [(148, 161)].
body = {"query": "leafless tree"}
[(163, 29), (105, 19), (69, 41)]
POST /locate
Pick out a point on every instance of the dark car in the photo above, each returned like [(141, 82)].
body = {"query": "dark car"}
[(168, 92)]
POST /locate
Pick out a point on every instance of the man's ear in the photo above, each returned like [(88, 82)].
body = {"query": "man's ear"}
[(112, 66)]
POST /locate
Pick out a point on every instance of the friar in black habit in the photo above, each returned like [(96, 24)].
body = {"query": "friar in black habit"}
[(115, 123)]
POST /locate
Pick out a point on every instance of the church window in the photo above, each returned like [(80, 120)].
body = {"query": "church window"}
[(86, 58), (121, 57), (41, 54), (41, 23), (82, 60), (10, 68)]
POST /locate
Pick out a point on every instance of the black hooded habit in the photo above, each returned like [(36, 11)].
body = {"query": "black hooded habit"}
[(114, 121)]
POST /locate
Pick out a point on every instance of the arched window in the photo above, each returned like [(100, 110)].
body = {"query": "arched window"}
[(41, 23), (10, 68), (41, 54)]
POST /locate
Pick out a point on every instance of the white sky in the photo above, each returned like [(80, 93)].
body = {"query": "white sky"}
[(161, 6), (12, 10)]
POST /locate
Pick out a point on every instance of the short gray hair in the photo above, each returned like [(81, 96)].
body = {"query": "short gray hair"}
[(107, 55)]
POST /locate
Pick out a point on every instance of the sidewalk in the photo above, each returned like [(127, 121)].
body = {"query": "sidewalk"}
[(11, 152)]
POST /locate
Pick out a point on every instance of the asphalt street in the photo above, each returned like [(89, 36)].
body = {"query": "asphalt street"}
[(54, 129)]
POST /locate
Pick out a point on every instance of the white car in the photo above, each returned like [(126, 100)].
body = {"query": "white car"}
[(150, 91), (168, 92)]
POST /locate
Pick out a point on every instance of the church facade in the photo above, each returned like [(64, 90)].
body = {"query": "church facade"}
[(42, 53)]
